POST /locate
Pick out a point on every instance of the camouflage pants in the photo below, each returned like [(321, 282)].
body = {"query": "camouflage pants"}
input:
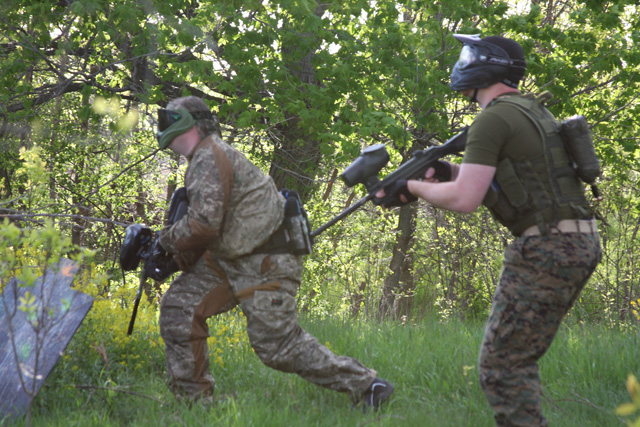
[(541, 279), (266, 287)]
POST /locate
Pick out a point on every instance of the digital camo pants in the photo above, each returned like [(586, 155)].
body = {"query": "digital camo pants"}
[(266, 287), (541, 279)]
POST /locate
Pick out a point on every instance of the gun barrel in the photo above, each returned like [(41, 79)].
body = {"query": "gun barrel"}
[(342, 215), (136, 302)]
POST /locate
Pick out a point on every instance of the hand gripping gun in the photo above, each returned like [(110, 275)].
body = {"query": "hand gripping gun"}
[(139, 243), (364, 170)]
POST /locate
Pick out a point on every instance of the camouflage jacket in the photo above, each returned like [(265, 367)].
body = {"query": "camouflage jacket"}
[(233, 206)]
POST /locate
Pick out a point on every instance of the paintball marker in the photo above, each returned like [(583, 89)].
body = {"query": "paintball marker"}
[(139, 244), (364, 170)]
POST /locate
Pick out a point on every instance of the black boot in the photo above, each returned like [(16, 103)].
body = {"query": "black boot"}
[(377, 393)]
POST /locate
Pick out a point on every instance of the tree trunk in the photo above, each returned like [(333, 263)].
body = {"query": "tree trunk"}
[(357, 298), (296, 152), (397, 293)]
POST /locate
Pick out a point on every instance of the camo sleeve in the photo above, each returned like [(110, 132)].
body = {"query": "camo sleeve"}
[(208, 180)]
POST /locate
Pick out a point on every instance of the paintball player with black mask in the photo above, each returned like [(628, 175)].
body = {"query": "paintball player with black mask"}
[(232, 248), (515, 163)]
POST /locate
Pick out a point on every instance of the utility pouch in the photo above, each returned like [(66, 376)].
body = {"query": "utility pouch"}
[(293, 236), (296, 225), (577, 138)]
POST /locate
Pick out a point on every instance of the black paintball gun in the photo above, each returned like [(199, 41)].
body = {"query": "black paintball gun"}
[(139, 243), (364, 170)]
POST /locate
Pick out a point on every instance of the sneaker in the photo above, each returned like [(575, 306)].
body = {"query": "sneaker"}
[(377, 393)]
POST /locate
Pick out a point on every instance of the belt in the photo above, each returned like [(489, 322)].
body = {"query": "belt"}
[(566, 226)]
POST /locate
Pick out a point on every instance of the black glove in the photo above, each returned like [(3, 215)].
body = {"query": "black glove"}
[(159, 264), (393, 192)]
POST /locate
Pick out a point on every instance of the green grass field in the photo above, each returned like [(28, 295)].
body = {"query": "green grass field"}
[(432, 365)]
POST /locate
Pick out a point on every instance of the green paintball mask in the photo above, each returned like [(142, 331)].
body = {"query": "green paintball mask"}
[(171, 124)]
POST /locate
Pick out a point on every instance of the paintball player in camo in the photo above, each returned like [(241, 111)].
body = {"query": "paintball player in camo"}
[(230, 249), (516, 165)]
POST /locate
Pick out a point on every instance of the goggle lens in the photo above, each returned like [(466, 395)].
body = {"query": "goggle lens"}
[(468, 55), (166, 118)]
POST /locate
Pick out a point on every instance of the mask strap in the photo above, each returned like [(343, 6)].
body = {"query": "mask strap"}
[(474, 98)]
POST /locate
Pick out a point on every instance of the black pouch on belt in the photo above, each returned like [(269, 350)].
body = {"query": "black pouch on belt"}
[(296, 224), (293, 235)]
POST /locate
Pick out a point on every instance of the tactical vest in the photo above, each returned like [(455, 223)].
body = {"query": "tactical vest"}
[(537, 191)]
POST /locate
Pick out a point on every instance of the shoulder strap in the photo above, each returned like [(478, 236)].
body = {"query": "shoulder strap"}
[(542, 118), (225, 170)]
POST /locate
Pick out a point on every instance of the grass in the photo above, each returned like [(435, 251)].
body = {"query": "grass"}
[(432, 365)]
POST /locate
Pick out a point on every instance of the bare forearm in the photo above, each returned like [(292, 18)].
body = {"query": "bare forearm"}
[(443, 195), (464, 193)]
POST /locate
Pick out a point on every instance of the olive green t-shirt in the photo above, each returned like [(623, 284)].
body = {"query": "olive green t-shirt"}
[(499, 131)]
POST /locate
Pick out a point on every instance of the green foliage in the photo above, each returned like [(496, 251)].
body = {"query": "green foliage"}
[(302, 87), (431, 363), (25, 254), (628, 409)]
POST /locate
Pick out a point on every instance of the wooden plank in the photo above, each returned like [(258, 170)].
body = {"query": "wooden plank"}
[(31, 344)]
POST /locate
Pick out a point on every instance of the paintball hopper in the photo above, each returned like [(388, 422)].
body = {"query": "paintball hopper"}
[(136, 245), (364, 169)]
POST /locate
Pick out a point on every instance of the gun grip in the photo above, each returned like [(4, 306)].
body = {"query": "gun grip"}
[(443, 170)]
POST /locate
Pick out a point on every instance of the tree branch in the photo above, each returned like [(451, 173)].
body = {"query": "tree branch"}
[(73, 216)]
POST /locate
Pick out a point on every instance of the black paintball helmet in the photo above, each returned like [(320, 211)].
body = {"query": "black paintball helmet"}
[(486, 61)]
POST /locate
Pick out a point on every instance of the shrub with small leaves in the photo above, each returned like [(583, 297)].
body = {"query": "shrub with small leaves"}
[(630, 408)]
